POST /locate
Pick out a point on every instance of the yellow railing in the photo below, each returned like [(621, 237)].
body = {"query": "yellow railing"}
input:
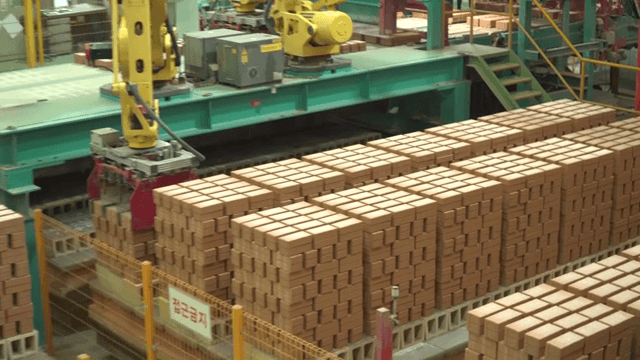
[(583, 60)]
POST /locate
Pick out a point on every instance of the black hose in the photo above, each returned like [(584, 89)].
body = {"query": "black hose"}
[(133, 90), (267, 17), (174, 42)]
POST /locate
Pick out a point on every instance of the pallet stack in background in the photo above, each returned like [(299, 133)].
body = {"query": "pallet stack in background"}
[(192, 225), (530, 211), (484, 137), (399, 248), (362, 165), (16, 310), (292, 180), (469, 217), (113, 226), (424, 150), (587, 187), (625, 216), (584, 115), (536, 126), (300, 268), (546, 323)]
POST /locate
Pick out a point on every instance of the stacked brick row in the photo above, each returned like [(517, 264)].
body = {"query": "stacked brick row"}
[(16, 310), (584, 115), (424, 150), (399, 248), (535, 126), (632, 124), (192, 226), (362, 165), (587, 186), (484, 138), (300, 268), (530, 211), (113, 226), (292, 180), (469, 218), (546, 323), (625, 220)]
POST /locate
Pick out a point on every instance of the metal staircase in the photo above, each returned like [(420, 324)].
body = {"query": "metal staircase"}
[(509, 79)]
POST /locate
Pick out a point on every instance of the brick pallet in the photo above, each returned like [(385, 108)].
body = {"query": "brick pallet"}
[(584, 115), (469, 217), (292, 180), (16, 310), (192, 223), (535, 125), (399, 248), (484, 138), (362, 165), (625, 221), (299, 267), (546, 323), (530, 211), (632, 124), (587, 187), (424, 150)]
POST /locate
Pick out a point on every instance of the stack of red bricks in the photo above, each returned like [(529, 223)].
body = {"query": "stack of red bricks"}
[(16, 310), (536, 126), (468, 237), (484, 138), (587, 186), (424, 150), (546, 323), (292, 180), (584, 116), (632, 124), (625, 221), (530, 211), (362, 165), (192, 225), (399, 248), (113, 226), (352, 46), (300, 268)]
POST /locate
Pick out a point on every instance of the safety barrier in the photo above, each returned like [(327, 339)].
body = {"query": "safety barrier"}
[(127, 303)]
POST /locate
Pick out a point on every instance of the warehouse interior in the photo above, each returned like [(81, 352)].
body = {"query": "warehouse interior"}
[(319, 180)]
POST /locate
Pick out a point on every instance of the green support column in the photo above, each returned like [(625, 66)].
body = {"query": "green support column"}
[(455, 103), (15, 185), (566, 22), (434, 26), (589, 35), (525, 20)]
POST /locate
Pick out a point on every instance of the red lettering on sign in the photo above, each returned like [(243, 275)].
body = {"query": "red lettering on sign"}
[(255, 103)]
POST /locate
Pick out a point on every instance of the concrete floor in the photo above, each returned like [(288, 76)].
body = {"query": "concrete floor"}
[(21, 64), (70, 346)]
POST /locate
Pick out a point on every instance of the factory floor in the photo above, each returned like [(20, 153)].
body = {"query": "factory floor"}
[(21, 64), (70, 346)]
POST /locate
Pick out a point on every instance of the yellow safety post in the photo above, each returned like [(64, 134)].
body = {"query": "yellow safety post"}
[(39, 26), (238, 338), (28, 33), (149, 328), (510, 41), (44, 281), (83, 357)]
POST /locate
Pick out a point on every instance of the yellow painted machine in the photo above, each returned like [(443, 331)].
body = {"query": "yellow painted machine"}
[(130, 167)]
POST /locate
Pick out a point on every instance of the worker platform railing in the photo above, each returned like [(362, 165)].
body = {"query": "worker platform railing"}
[(97, 293)]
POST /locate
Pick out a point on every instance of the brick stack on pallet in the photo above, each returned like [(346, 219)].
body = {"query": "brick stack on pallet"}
[(362, 165), (299, 267), (424, 150), (530, 211), (292, 180), (484, 138), (352, 46), (399, 248), (584, 115), (625, 221), (192, 225), (113, 226), (536, 126), (16, 310), (632, 124), (546, 323), (468, 237), (587, 187)]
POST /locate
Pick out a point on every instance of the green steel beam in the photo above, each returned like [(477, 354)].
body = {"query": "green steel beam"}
[(589, 34), (566, 26), (525, 20), (435, 9)]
